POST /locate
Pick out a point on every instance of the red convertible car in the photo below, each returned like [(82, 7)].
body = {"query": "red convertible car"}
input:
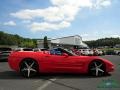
[(58, 60)]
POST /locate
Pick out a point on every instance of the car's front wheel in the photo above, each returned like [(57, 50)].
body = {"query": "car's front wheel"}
[(97, 68), (28, 68)]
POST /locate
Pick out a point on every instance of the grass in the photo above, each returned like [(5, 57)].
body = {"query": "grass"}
[(110, 49)]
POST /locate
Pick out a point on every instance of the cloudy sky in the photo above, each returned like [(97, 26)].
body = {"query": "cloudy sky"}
[(91, 19)]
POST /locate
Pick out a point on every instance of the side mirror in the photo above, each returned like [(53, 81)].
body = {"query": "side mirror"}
[(64, 54)]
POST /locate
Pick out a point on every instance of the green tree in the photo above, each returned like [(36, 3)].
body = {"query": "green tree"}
[(10, 39), (45, 42), (111, 42)]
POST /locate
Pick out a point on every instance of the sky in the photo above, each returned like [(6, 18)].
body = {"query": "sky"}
[(91, 19)]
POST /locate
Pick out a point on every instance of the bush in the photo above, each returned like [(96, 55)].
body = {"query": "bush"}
[(110, 52)]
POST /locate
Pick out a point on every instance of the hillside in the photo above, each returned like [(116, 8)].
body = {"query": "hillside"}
[(111, 42), (10, 39)]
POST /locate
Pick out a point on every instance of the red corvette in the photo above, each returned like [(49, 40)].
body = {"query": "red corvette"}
[(58, 61)]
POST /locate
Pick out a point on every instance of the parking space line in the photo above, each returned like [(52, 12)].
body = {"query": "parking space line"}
[(46, 84)]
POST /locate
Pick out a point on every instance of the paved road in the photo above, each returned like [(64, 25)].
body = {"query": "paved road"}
[(10, 80)]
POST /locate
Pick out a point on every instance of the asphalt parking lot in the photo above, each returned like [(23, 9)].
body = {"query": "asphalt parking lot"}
[(10, 80)]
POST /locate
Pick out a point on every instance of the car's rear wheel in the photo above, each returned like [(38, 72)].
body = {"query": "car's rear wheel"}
[(28, 68), (97, 68)]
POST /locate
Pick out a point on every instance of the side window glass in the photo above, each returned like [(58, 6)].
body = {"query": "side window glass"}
[(58, 53), (52, 52), (55, 52)]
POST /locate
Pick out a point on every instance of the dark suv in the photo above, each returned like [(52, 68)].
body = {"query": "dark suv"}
[(4, 53)]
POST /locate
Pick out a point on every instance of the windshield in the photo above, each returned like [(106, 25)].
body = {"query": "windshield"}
[(27, 49)]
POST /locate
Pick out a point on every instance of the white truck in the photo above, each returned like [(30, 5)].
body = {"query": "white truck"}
[(117, 52)]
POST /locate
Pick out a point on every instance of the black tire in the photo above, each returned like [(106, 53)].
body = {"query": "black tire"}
[(119, 53), (29, 68), (97, 68)]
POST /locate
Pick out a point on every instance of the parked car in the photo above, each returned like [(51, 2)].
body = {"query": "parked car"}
[(97, 52), (76, 51), (39, 49), (86, 52), (4, 53), (83, 52), (117, 52), (22, 49), (91, 52), (100, 52), (58, 60)]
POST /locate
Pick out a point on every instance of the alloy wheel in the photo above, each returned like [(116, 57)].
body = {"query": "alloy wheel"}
[(97, 68), (28, 68)]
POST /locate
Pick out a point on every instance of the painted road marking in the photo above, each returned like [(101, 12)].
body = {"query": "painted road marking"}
[(46, 84)]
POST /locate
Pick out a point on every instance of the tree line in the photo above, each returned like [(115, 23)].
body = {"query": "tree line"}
[(110, 42), (10, 39)]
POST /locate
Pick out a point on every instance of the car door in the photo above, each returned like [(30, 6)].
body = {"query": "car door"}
[(52, 63), (62, 63), (74, 64)]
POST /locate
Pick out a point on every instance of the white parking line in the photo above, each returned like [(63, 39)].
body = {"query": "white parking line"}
[(46, 84)]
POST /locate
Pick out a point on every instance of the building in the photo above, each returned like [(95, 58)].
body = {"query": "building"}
[(40, 43), (65, 42), (117, 46)]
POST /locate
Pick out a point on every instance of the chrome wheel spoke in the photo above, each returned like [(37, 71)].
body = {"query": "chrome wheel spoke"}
[(26, 64), (96, 72), (100, 65), (32, 64), (95, 64), (24, 69), (100, 70), (28, 72), (33, 70)]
